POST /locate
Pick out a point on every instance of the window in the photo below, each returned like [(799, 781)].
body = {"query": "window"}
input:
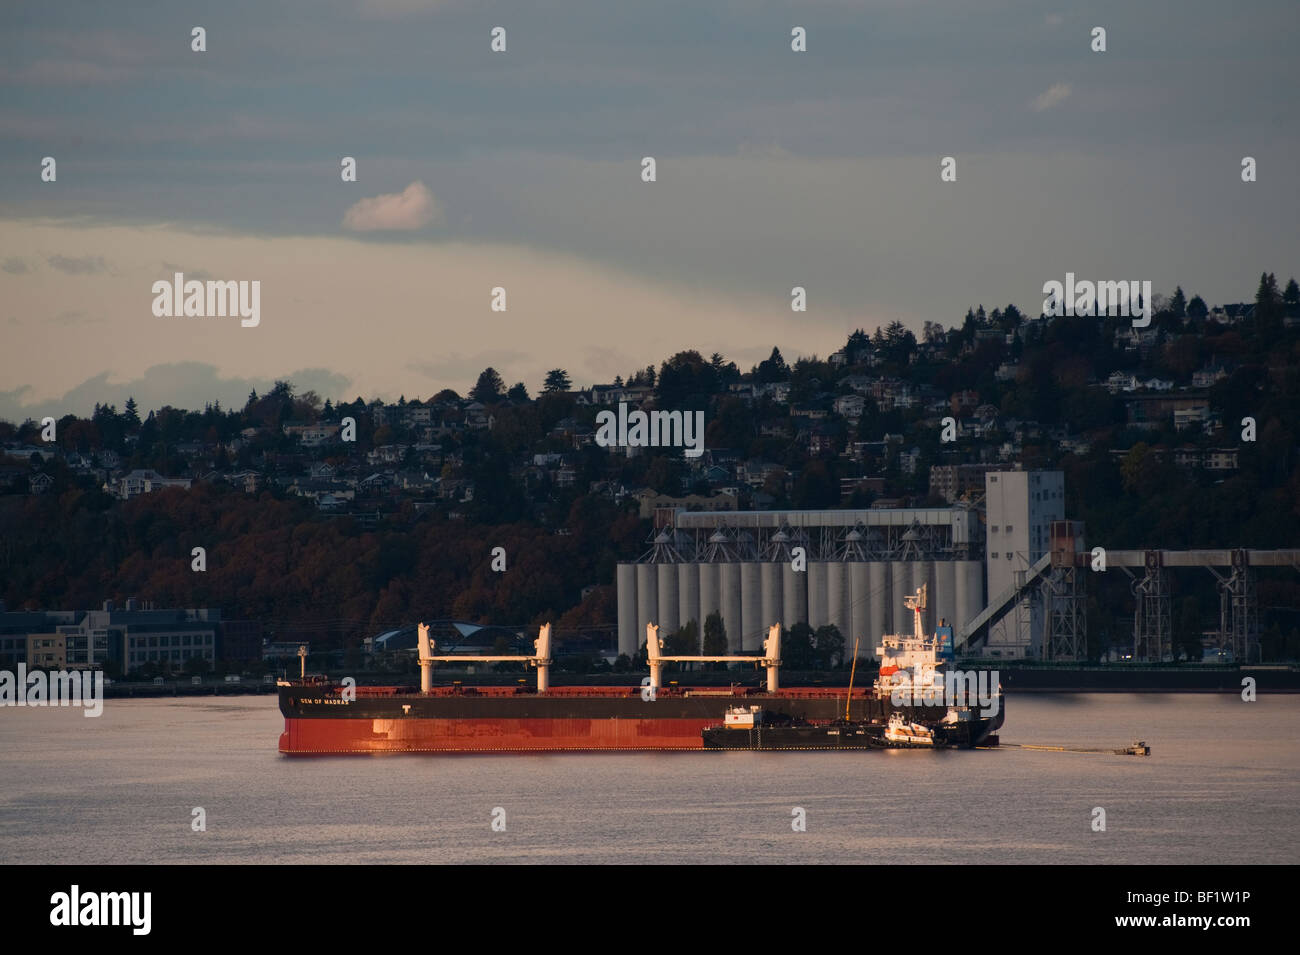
[(995, 528), (1008, 555), (1008, 528)]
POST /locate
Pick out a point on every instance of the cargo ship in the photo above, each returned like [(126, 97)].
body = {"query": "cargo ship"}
[(322, 718)]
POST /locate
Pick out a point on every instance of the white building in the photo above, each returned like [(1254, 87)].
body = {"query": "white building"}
[(1021, 506)]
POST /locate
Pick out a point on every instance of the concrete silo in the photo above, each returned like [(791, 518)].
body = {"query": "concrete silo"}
[(688, 595), (922, 575), (731, 604), (944, 593), (751, 606), (794, 595), (668, 621), (647, 600), (900, 580), (970, 591), (878, 619), (629, 633), (710, 591), (860, 602), (837, 595), (818, 615), (770, 575)]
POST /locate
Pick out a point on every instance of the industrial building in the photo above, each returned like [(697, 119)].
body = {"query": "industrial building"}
[(849, 568), (1020, 507), (1008, 572)]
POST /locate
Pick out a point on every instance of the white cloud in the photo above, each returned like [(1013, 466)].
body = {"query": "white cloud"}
[(82, 265), (412, 208), (398, 8), (1058, 93)]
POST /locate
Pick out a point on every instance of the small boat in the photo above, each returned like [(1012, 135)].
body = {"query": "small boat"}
[(900, 732)]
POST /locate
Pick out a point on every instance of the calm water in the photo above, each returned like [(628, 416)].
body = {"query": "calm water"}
[(1222, 785)]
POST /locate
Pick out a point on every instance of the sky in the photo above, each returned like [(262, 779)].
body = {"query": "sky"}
[(522, 170)]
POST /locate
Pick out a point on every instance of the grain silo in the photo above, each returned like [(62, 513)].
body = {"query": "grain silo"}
[(628, 641)]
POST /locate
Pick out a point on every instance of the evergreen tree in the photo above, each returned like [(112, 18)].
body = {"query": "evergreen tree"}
[(1178, 304), (489, 388), (1266, 295), (557, 379), (1291, 296), (828, 646), (797, 647), (131, 413), (715, 636), (774, 368)]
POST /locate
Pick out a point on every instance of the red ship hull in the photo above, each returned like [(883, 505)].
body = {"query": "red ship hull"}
[(320, 719), (331, 736)]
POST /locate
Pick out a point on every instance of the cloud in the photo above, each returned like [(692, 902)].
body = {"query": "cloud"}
[(1058, 93), (466, 368), (197, 275), (86, 265), (398, 8), (67, 73), (14, 265), (412, 208), (74, 317), (1054, 19), (186, 384)]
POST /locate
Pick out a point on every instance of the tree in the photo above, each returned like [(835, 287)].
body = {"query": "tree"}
[(1197, 309), (1140, 468), (196, 666), (1291, 296), (797, 647), (774, 368), (1268, 306), (557, 379), (517, 392), (685, 641), (715, 638), (828, 646), (132, 414), (1178, 303), (489, 388)]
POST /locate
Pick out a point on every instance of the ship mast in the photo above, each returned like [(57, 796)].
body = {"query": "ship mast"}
[(541, 658), (771, 659), (852, 670)]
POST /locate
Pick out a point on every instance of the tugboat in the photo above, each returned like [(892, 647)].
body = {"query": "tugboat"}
[(901, 734)]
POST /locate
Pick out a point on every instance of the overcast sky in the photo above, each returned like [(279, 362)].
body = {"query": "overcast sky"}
[(522, 170)]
